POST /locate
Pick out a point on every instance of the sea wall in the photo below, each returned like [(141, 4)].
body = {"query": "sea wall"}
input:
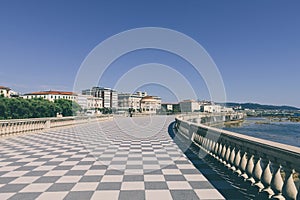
[(272, 168)]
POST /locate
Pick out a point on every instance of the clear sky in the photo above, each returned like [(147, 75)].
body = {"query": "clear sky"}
[(255, 44)]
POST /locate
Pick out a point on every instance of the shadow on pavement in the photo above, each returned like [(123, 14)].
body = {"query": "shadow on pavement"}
[(228, 184)]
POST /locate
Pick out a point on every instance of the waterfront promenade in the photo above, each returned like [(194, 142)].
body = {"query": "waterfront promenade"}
[(120, 158)]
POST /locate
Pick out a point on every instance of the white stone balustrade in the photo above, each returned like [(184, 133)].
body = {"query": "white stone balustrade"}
[(272, 168), (17, 126)]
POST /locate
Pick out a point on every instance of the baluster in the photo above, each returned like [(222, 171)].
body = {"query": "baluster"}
[(200, 139), (277, 182), (213, 145), (257, 173), (289, 189), (237, 161), (266, 179), (249, 169), (217, 151), (209, 143), (232, 158), (220, 151), (227, 157), (203, 143), (244, 166), (224, 154)]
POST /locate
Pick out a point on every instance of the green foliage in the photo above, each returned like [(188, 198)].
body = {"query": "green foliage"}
[(18, 108), (106, 110)]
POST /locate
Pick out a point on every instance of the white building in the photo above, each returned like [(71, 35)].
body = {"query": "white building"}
[(189, 106), (109, 96), (51, 95), (5, 91), (127, 100), (113, 99), (211, 108), (89, 102), (150, 104), (215, 109)]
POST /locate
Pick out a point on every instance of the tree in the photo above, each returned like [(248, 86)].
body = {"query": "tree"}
[(16, 108)]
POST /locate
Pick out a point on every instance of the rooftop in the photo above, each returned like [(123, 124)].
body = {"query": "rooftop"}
[(4, 88), (51, 92)]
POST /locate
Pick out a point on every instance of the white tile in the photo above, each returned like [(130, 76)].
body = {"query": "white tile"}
[(195, 177), (133, 171), (52, 195), (81, 167), (111, 195), (95, 172), (178, 185), (8, 168), (36, 187), (158, 194), (69, 163), (44, 168), (133, 186), (69, 179), (151, 167), (25, 179), (209, 194), (56, 173), (15, 174), (85, 186), (112, 178), (171, 172), (4, 196), (154, 178)]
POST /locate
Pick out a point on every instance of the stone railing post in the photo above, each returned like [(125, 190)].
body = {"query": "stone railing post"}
[(289, 189), (48, 124), (277, 183)]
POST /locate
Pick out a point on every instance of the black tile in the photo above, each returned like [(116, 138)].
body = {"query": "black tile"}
[(156, 185), (183, 195), (60, 187), (25, 196), (132, 195), (109, 186), (79, 195)]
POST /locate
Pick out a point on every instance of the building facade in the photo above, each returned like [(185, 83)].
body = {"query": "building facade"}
[(109, 96), (170, 107), (150, 104), (127, 100), (215, 109), (88, 102), (51, 95), (189, 106), (5, 91)]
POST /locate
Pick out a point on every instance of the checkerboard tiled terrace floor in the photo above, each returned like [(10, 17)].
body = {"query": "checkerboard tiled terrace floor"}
[(126, 158)]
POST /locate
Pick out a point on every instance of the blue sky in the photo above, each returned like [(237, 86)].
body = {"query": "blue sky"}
[(255, 44)]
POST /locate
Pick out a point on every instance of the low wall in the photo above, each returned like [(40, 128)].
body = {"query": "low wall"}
[(16, 126), (272, 168)]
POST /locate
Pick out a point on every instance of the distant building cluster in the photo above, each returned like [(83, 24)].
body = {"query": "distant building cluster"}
[(139, 101), (99, 98), (203, 106), (7, 92), (51, 95), (109, 97)]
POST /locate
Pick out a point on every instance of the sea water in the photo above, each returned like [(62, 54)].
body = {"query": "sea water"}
[(282, 132)]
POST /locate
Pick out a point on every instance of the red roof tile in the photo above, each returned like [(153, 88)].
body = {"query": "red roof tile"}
[(51, 92)]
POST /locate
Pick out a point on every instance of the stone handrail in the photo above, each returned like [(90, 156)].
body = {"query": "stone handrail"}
[(270, 167), (17, 126)]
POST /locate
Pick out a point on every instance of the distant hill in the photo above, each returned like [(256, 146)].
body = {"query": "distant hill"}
[(256, 106)]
